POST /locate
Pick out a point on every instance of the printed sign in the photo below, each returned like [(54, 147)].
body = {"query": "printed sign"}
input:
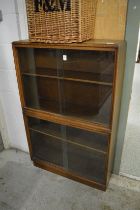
[(52, 5)]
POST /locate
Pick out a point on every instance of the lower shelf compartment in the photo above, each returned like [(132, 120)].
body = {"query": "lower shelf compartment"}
[(87, 164), (82, 138)]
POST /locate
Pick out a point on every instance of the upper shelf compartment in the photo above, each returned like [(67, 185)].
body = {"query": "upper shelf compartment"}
[(69, 82), (84, 65)]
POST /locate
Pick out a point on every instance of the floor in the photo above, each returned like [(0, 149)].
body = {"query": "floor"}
[(25, 187)]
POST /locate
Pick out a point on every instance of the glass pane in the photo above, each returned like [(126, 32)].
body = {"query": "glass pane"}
[(89, 65), (42, 93), (39, 61), (91, 102), (81, 152), (83, 100), (89, 140), (69, 82), (90, 165), (45, 127), (46, 148), (82, 138)]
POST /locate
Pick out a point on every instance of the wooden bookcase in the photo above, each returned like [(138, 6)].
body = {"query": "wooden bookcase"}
[(70, 96)]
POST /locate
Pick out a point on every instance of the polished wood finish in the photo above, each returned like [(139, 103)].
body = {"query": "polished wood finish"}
[(71, 108), (62, 172), (104, 45), (66, 120)]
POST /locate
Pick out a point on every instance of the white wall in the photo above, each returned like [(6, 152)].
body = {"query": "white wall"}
[(11, 120), (130, 164)]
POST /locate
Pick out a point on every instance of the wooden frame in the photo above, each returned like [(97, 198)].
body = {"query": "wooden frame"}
[(100, 45)]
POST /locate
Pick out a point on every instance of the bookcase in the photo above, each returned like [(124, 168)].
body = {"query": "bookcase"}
[(70, 95)]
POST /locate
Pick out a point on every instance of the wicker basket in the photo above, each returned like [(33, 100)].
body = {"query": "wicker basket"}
[(61, 21)]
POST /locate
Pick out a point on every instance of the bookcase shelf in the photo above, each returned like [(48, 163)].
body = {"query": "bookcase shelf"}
[(68, 79)]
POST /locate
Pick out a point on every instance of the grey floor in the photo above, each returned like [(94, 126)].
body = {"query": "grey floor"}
[(25, 187)]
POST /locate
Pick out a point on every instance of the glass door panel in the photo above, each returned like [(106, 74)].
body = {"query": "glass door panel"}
[(42, 93), (87, 164), (78, 151), (73, 83), (46, 127), (46, 148), (91, 102), (89, 65), (88, 140), (82, 138), (36, 61), (86, 101)]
